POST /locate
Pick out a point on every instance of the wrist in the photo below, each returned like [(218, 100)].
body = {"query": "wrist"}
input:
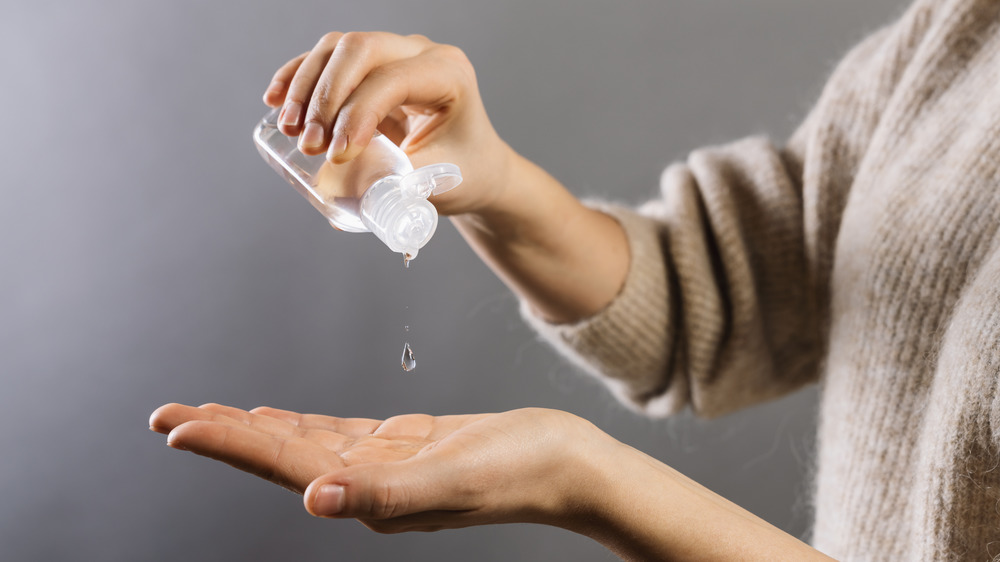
[(642, 509), (589, 475), (521, 203), (565, 260)]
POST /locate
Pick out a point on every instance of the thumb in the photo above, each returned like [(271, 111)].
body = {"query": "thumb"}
[(376, 491)]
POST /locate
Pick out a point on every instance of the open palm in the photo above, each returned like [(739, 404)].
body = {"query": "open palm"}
[(406, 472)]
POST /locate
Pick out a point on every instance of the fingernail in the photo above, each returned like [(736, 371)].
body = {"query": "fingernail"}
[(329, 500), (337, 146), (172, 442), (290, 114), (312, 137)]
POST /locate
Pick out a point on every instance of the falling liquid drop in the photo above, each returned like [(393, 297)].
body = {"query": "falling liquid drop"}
[(409, 362), (406, 260)]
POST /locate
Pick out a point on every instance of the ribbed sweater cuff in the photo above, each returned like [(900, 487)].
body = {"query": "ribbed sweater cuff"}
[(625, 345)]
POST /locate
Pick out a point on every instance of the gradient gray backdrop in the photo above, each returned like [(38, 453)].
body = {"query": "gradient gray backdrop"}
[(149, 256)]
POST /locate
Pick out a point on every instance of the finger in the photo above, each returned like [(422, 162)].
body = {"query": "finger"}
[(274, 95), (349, 427), (354, 56), (167, 417), (395, 126), (301, 87), (264, 424), (289, 462), (388, 490), (329, 440), (391, 85), (421, 426)]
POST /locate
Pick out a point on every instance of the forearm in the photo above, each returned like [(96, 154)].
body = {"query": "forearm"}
[(566, 260), (642, 509)]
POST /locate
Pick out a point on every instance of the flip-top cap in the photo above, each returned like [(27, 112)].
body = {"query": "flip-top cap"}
[(434, 179)]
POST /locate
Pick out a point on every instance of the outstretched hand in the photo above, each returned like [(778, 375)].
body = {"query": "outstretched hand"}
[(411, 472), (424, 473)]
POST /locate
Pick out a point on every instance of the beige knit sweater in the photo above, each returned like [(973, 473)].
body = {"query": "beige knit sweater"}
[(863, 255)]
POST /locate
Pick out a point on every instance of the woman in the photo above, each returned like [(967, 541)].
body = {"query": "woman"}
[(862, 254)]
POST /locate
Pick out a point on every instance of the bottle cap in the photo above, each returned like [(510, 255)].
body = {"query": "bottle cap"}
[(407, 221), (434, 179), (407, 225)]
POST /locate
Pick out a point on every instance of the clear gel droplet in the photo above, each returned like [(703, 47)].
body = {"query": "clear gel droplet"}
[(409, 362)]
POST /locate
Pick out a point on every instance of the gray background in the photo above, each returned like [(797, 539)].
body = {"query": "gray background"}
[(149, 255)]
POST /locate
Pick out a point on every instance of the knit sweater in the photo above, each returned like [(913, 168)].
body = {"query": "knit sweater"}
[(862, 255)]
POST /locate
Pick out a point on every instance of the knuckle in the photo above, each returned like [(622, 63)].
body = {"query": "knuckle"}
[(345, 120), (458, 60), (272, 469), (321, 97), (388, 501), (356, 41), (388, 71), (452, 53), (296, 94), (351, 119), (330, 38), (418, 38)]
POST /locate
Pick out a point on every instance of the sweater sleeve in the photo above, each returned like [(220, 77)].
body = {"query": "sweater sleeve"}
[(711, 313), (725, 301)]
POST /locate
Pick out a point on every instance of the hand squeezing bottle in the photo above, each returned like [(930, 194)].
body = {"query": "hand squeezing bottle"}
[(377, 191)]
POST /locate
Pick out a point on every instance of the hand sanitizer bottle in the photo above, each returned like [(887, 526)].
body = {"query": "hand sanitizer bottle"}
[(377, 191)]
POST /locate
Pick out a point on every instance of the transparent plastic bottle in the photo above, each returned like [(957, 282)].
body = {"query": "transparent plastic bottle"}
[(378, 191)]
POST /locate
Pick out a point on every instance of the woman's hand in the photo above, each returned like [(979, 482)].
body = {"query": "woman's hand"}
[(421, 94), (413, 472), (424, 473)]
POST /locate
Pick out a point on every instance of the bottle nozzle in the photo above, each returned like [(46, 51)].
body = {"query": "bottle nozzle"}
[(404, 221)]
